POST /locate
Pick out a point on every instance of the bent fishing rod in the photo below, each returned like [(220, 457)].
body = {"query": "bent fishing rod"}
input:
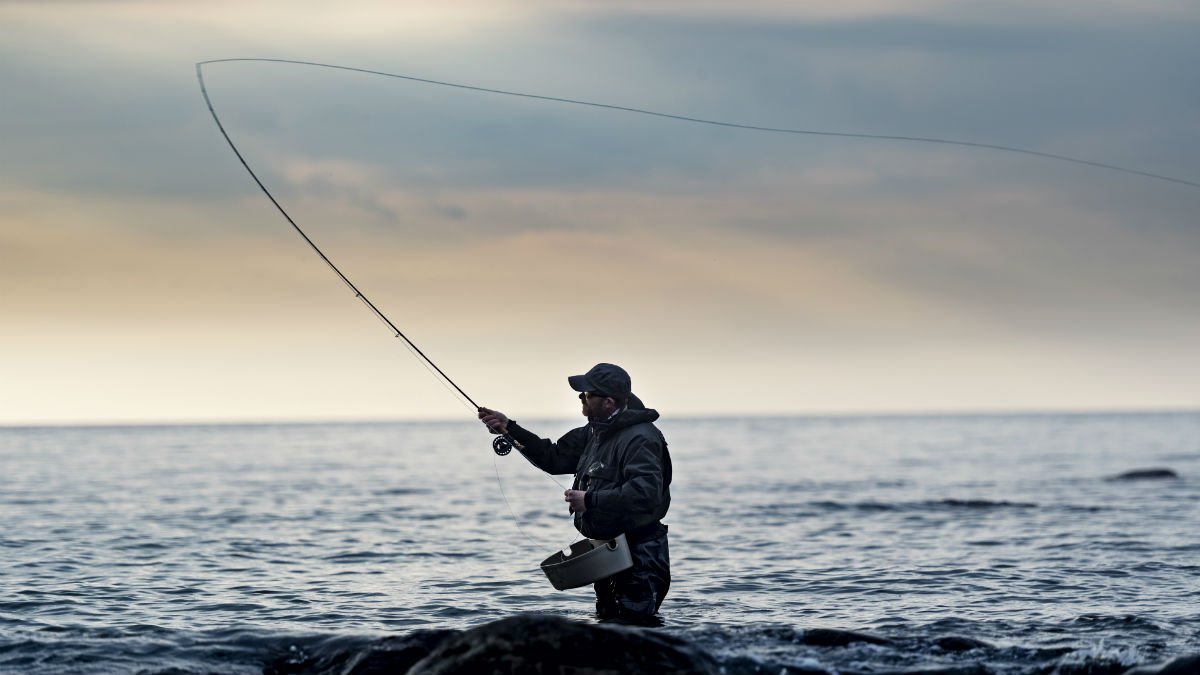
[(503, 443)]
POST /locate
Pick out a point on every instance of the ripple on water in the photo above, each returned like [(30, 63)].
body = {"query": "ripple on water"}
[(872, 543)]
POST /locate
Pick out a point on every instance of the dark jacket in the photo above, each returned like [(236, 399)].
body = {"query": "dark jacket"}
[(623, 465)]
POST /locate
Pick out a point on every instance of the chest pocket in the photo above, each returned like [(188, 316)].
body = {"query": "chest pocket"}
[(598, 475)]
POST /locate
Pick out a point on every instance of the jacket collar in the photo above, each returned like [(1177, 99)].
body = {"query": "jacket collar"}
[(626, 417)]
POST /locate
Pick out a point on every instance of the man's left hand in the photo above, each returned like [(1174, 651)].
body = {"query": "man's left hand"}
[(576, 499)]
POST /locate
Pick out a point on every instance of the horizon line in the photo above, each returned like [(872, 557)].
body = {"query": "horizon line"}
[(450, 419)]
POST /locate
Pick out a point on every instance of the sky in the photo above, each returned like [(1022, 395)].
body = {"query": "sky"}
[(145, 278)]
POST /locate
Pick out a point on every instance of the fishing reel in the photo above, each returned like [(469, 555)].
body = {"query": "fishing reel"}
[(503, 444)]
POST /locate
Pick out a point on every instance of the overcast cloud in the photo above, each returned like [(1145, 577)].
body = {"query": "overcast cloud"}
[(934, 277)]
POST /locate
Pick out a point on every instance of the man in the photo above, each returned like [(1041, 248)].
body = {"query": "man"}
[(622, 484)]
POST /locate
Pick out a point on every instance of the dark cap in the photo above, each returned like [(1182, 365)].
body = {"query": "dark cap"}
[(603, 378)]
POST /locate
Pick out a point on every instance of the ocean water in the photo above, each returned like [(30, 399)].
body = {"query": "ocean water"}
[(994, 542)]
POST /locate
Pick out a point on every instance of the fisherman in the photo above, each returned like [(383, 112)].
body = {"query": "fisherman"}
[(622, 485)]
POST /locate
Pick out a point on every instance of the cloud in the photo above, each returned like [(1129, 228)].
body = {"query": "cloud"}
[(513, 236), (961, 76)]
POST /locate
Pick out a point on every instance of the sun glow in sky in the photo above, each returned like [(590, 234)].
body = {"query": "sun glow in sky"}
[(143, 277)]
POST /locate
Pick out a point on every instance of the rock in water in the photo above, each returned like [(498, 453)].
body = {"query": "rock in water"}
[(550, 644), (1146, 474), (828, 637), (956, 643)]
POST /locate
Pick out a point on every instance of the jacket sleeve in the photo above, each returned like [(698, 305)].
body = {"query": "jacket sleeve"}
[(553, 458), (641, 490)]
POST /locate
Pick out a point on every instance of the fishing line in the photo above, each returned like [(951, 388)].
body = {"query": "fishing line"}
[(719, 123), (516, 520), (429, 364)]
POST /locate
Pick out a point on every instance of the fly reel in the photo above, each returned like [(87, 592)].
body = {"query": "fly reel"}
[(502, 444)]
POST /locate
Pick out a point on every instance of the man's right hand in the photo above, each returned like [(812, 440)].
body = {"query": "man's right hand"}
[(495, 421)]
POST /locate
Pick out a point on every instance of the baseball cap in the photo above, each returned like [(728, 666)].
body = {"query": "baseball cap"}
[(604, 378)]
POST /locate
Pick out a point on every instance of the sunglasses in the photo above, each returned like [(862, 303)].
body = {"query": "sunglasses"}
[(591, 394)]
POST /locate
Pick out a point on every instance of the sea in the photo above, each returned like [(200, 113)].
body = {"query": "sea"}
[(1003, 544)]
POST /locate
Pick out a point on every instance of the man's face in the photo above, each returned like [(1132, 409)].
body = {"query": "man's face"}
[(596, 406)]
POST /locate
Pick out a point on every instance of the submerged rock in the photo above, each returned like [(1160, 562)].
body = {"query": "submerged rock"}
[(957, 643), (550, 644), (827, 637), (1146, 474)]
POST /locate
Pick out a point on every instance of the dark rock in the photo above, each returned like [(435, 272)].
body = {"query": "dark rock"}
[(827, 637), (550, 644), (1184, 665), (955, 643), (1146, 474)]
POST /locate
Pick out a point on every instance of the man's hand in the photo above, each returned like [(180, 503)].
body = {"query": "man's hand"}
[(576, 499), (495, 421)]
